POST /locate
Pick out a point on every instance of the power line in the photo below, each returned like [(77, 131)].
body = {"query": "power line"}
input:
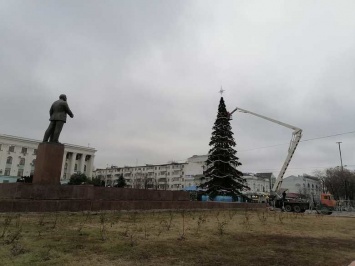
[(295, 168), (339, 134), (281, 144)]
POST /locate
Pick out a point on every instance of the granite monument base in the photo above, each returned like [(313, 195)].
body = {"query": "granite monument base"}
[(21, 197), (48, 164)]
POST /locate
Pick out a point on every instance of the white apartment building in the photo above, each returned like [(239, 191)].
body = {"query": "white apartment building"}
[(175, 176), (302, 184), (168, 176), (194, 169), (18, 156), (196, 165)]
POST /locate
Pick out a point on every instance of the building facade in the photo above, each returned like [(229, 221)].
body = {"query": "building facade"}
[(176, 176), (170, 176), (18, 156), (302, 184), (195, 167), (259, 182), (160, 176)]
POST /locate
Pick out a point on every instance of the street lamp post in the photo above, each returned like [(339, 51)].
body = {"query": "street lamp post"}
[(341, 160), (342, 172)]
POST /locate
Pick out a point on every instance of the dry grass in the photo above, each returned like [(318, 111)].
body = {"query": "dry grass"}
[(176, 238)]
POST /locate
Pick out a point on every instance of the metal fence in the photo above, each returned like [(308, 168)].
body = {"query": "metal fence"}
[(345, 206)]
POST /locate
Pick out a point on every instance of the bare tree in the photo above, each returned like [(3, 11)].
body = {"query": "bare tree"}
[(340, 183), (321, 175)]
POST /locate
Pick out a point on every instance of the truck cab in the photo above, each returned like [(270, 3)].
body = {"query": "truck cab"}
[(328, 201)]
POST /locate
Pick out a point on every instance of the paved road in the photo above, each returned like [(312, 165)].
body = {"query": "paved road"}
[(347, 214), (336, 213)]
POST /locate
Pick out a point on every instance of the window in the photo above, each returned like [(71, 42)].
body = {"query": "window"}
[(12, 148), (0, 147), (24, 150), (9, 160), (66, 166), (84, 168), (20, 172), (33, 162), (22, 161), (7, 171), (75, 167), (35, 152)]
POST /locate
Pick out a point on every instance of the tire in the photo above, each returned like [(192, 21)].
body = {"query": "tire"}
[(288, 208), (297, 208)]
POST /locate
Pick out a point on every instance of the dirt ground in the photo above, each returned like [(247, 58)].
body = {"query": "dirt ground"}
[(243, 237)]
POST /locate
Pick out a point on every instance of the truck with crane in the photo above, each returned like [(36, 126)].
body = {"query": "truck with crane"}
[(324, 205)]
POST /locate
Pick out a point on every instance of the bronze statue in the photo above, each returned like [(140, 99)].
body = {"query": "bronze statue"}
[(58, 116)]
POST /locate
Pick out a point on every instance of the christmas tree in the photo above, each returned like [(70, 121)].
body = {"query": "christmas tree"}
[(221, 173)]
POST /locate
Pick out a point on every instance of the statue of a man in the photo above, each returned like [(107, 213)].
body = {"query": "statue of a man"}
[(58, 116)]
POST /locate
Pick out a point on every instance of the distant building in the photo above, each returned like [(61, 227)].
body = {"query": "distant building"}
[(195, 167), (176, 176), (18, 156), (305, 185), (259, 182), (170, 176)]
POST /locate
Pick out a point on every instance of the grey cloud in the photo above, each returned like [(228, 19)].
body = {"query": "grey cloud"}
[(142, 77)]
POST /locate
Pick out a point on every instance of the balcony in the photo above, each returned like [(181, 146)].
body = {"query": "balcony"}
[(176, 173)]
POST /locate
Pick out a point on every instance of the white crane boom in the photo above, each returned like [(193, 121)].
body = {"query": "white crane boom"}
[(296, 137)]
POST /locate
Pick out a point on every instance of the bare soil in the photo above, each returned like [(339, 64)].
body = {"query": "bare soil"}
[(242, 237)]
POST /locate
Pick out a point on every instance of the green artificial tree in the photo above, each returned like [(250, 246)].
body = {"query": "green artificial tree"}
[(221, 172)]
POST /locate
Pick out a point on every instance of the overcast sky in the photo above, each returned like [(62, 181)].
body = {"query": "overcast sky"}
[(142, 77)]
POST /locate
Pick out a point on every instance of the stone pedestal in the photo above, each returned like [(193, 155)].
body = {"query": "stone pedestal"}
[(48, 164)]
